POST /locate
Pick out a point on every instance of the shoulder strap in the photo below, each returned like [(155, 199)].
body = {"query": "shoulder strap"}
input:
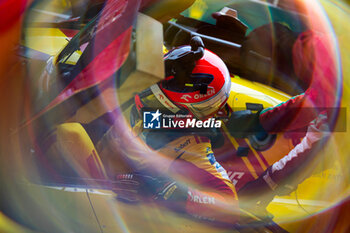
[(161, 97)]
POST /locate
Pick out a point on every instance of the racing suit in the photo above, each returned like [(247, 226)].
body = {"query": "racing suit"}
[(204, 189)]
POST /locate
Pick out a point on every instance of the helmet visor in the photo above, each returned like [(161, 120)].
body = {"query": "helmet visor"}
[(204, 109)]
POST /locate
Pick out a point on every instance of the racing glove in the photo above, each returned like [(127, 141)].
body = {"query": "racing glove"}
[(135, 187)]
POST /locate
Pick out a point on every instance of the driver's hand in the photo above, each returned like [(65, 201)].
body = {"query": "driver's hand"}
[(135, 187)]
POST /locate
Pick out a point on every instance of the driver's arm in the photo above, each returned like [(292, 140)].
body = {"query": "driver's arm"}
[(195, 183)]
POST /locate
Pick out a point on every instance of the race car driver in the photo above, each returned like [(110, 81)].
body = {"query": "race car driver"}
[(202, 188), (197, 86), (191, 151)]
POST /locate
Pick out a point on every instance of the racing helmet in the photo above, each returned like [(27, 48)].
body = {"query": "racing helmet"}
[(197, 80)]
